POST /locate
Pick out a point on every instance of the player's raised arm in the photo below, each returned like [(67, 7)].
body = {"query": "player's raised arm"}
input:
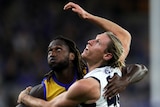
[(131, 73), (122, 34)]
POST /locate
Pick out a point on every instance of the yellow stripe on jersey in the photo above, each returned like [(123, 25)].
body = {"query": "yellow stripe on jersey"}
[(52, 89)]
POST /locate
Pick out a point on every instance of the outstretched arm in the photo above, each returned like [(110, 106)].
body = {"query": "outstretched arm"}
[(131, 74), (79, 92), (122, 34)]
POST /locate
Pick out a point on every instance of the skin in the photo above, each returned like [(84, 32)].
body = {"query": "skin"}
[(117, 84), (122, 34), (60, 61), (82, 90), (88, 51), (93, 52)]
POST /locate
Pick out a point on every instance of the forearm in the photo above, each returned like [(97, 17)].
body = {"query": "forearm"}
[(21, 105), (134, 73), (32, 101), (105, 24), (122, 34)]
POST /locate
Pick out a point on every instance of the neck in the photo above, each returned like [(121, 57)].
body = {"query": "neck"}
[(66, 75), (92, 66)]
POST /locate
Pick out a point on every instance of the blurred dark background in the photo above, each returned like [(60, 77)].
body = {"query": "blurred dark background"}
[(27, 27)]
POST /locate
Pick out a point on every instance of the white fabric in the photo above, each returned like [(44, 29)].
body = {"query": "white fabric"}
[(102, 74)]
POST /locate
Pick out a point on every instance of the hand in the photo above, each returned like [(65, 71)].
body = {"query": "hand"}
[(23, 93), (77, 9), (116, 85), (134, 72)]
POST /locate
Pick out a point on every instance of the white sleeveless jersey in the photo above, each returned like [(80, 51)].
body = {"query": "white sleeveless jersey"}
[(102, 75)]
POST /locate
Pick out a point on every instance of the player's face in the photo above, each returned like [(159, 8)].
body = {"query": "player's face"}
[(58, 55), (95, 48)]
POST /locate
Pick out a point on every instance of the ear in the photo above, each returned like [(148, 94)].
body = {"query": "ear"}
[(71, 56), (107, 56)]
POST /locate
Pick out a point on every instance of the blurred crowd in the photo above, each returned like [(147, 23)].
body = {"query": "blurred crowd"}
[(27, 27)]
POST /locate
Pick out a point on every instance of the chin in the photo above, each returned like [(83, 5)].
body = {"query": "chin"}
[(84, 56)]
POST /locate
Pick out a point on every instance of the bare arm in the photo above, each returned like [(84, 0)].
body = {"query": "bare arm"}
[(79, 92), (122, 34), (131, 74)]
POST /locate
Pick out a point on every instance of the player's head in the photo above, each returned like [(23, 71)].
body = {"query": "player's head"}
[(63, 53), (116, 49), (105, 49)]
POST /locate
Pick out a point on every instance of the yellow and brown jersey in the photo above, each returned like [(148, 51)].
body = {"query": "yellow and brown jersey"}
[(52, 87)]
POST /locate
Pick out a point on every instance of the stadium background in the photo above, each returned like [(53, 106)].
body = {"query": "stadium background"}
[(27, 27)]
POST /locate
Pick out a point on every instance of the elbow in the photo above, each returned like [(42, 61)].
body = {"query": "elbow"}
[(128, 35)]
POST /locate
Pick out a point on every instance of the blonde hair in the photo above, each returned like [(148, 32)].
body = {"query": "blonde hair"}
[(116, 49)]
